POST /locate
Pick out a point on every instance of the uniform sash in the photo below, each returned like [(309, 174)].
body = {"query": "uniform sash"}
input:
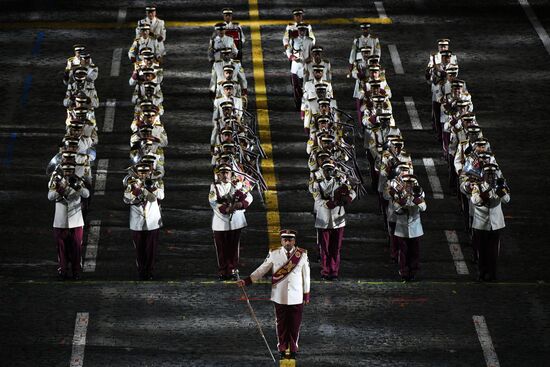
[(287, 268)]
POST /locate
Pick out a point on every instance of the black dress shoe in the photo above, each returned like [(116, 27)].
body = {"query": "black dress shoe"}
[(61, 276), (283, 354), (325, 277), (292, 355), (76, 276), (333, 278)]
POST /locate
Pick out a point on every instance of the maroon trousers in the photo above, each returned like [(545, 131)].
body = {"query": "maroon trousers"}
[(436, 117), (487, 244), (445, 140), (227, 250), (358, 103), (297, 88), (330, 244), (69, 248), (394, 246), (289, 319), (146, 244), (409, 256), (373, 173)]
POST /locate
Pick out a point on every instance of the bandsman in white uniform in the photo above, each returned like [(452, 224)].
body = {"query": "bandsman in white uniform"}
[(408, 202), (157, 29), (331, 195), (67, 190), (315, 60), (297, 52), (290, 291), (235, 31), (435, 57), (488, 221), (220, 41), (143, 194), (291, 30), (145, 40), (229, 201), (364, 40)]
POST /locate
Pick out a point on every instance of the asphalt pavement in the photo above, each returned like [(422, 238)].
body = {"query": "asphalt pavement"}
[(185, 317)]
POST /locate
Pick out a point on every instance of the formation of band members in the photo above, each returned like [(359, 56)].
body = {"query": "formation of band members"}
[(70, 170), (144, 182), (235, 145), (474, 175)]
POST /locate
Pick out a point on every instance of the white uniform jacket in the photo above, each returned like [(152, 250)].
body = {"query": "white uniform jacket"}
[(68, 210), (158, 29), (226, 222), (144, 208), (217, 74), (140, 43), (308, 70), (323, 193), (292, 289), (291, 31), (218, 43), (300, 48), (488, 214), (362, 41), (407, 223)]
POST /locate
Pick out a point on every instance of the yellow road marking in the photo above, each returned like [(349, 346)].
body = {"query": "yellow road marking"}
[(260, 92), (253, 22)]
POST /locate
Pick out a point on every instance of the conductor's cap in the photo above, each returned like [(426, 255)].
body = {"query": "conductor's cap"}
[(288, 233)]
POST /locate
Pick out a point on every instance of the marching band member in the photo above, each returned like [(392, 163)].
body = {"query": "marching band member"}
[(290, 287), (143, 194), (67, 190), (229, 202)]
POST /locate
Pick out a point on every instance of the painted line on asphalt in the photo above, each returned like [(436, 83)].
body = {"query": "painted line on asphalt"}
[(9, 150), (121, 17), (26, 89), (432, 177), (262, 111), (413, 113), (115, 64), (486, 342), (543, 35), (92, 247), (79, 339), (380, 9), (37, 44), (101, 177), (183, 24), (396, 60), (456, 252), (109, 120)]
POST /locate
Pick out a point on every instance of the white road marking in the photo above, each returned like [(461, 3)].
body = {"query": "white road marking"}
[(413, 113), (121, 18), (101, 176), (380, 9), (543, 35), (115, 64), (432, 177), (396, 60), (79, 339), (456, 252), (484, 337), (92, 247), (109, 120)]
